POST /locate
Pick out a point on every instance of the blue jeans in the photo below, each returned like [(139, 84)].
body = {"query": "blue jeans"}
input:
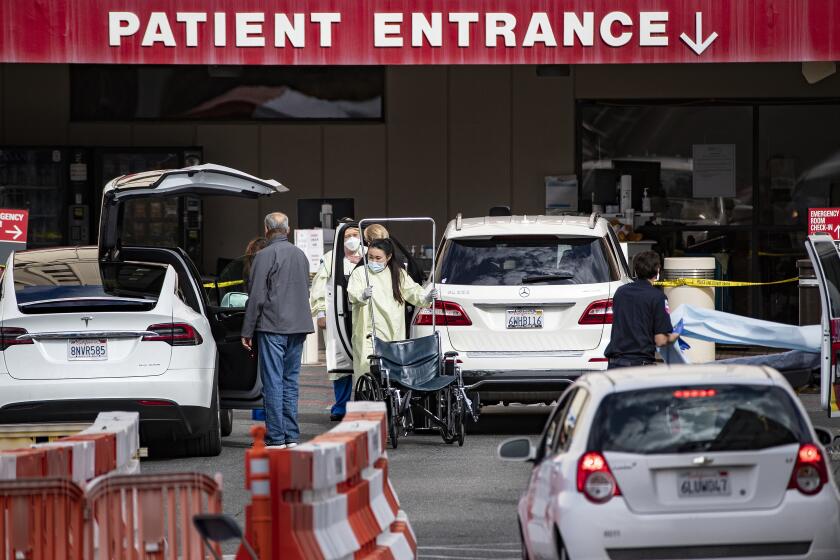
[(279, 369), (342, 387)]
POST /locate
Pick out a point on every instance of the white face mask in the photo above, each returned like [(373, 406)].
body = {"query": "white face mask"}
[(352, 244)]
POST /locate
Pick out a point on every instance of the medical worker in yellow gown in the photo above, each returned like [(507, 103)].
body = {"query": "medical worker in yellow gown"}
[(390, 289)]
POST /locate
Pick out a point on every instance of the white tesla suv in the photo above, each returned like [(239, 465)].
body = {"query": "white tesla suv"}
[(115, 327), (526, 301), (706, 461)]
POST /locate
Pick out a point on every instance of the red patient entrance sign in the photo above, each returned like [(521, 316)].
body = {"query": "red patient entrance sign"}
[(335, 32), (824, 220), (13, 225)]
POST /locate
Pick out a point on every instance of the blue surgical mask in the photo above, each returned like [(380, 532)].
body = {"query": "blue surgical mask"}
[(376, 267)]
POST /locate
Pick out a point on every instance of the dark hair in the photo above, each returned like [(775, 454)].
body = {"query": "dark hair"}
[(387, 246), (647, 264), (252, 249)]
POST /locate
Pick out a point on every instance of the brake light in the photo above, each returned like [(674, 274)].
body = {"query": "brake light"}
[(595, 479), (598, 313), (694, 393), (810, 473), (174, 334), (155, 403), (447, 314), (9, 337)]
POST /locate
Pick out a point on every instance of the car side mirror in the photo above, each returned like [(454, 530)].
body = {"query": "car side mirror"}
[(516, 449), (824, 436), (234, 300)]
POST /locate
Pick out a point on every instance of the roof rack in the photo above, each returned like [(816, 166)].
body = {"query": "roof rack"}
[(593, 219)]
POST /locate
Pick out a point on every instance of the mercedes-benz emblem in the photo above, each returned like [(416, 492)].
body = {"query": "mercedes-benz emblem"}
[(87, 319), (524, 292)]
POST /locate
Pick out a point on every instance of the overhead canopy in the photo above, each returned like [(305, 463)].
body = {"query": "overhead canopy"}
[(379, 32)]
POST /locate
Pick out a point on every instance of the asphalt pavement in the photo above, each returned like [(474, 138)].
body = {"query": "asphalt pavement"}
[(460, 501)]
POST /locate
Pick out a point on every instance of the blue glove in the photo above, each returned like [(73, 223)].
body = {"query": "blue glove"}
[(679, 327), (683, 344)]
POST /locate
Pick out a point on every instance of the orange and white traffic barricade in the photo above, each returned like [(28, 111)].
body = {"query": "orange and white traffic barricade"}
[(41, 519), (150, 516), (125, 427), (329, 498), (82, 458)]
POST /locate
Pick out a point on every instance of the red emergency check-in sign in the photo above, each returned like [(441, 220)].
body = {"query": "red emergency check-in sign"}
[(824, 220), (13, 225)]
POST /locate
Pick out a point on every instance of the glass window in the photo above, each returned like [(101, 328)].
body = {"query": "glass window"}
[(124, 92), (697, 419), (75, 284), (570, 421), (552, 427), (799, 161), (33, 179), (777, 256), (654, 144), (512, 261), (827, 253)]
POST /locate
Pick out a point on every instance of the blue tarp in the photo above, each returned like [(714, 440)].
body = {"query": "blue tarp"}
[(726, 328)]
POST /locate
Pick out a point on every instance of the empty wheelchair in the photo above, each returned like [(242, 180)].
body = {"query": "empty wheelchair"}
[(414, 379)]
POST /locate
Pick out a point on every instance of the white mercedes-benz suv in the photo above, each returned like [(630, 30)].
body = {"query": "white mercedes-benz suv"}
[(526, 301)]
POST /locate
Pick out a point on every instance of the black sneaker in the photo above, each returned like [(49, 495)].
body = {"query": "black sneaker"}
[(336, 417)]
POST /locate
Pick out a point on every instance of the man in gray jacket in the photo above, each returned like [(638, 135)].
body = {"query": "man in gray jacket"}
[(278, 315)]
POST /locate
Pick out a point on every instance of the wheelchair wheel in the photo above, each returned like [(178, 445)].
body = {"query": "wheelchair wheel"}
[(367, 388), (460, 421), (394, 422), (448, 434)]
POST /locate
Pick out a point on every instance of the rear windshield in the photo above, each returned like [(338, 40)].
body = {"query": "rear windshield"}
[(512, 261), (696, 419), (78, 285)]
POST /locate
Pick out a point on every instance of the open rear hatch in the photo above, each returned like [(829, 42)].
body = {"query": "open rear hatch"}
[(199, 180)]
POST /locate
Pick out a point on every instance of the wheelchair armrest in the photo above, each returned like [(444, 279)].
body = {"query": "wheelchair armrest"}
[(450, 354), (374, 357)]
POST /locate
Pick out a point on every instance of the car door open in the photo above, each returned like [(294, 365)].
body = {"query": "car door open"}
[(239, 383), (826, 260)]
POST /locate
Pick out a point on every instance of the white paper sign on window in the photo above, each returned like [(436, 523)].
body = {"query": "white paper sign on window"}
[(311, 242), (714, 170)]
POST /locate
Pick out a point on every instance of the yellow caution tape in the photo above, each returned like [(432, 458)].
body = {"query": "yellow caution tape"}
[(227, 284), (703, 283)]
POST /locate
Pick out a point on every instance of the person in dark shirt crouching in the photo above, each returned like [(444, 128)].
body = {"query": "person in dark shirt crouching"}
[(640, 317)]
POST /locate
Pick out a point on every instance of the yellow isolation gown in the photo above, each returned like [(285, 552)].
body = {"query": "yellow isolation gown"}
[(389, 314), (318, 292)]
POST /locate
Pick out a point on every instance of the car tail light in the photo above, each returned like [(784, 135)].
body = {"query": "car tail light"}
[(598, 313), (834, 324), (810, 473), (174, 334), (447, 314), (595, 479), (9, 337)]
